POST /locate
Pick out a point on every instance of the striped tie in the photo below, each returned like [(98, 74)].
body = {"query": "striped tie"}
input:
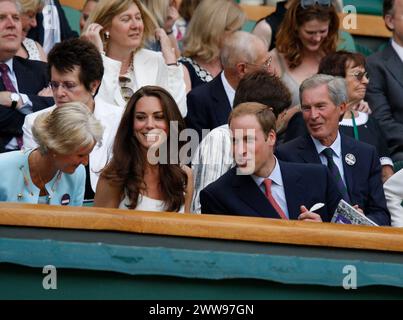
[(328, 153), (9, 87), (6, 79)]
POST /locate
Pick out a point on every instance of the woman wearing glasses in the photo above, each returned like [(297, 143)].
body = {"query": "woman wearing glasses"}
[(52, 173), (145, 172), (119, 28), (360, 125)]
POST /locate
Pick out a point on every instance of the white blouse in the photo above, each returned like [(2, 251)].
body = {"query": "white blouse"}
[(147, 204)]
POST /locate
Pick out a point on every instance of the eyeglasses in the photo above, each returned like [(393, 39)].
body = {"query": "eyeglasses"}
[(68, 85), (359, 75), (308, 3), (265, 65)]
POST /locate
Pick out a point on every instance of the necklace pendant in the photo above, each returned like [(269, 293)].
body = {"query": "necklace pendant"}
[(19, 196)]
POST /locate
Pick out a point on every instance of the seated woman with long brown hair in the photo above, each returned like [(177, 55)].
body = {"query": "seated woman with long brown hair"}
[(307, 33), (141, 176)]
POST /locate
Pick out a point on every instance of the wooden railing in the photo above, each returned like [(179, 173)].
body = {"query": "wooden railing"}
[(75, 4), (204, 226)]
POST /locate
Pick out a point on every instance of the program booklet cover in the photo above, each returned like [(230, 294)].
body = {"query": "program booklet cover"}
[(346, 214)]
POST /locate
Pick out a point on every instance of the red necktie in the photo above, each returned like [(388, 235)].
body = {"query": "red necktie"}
[(273, 202), (9, 87), (6, 79)]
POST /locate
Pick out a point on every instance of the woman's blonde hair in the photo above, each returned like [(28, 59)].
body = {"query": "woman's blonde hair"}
[(66, 129), (31, 5), (159, 10), (207, 26), (106, 10)]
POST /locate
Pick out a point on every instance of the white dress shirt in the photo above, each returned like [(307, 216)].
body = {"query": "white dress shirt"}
[(337, 156), (51, 26), (277, 187), (398, 49), (213, 158), (230, 91), (394, 196)]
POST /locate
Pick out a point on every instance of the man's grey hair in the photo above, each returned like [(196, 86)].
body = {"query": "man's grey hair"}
[(17, 4), (336, 86), (239, 46)]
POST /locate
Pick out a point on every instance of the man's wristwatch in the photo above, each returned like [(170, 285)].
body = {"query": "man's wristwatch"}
[(15, 97)]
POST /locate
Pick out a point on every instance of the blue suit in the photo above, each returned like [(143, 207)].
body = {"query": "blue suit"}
[(32, 76), (14, 167), (304, 184), (208, 106), (363, 179)]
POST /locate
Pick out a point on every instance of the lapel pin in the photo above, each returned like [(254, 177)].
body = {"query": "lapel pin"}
[(65, 199), (350, 159)]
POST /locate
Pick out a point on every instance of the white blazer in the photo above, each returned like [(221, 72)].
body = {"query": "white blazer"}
[(149, 69), (393, 188), (107, 114)]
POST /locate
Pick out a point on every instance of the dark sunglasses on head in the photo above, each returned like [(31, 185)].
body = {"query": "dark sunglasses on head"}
[(308, 3)]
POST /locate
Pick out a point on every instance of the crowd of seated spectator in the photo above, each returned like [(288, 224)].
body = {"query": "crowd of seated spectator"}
[(151, 111)]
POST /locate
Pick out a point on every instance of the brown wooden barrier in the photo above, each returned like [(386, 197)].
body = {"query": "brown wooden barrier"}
[(75, 4), (204, 226)]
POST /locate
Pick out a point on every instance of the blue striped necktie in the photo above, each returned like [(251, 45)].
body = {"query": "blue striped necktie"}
[(328, 153)]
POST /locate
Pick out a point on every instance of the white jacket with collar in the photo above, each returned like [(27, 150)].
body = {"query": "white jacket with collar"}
[(393, 188), (149, 69)]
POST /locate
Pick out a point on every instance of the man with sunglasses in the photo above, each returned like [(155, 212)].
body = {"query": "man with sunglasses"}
[(385, 90)]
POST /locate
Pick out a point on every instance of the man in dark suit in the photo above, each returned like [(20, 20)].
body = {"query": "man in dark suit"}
[(52, 26), (20, 81), (209, 105), (385, 90), (262, 186), (354, 165)]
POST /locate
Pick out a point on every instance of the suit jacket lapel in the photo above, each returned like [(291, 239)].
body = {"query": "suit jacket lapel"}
[(221, 99), (24, 76), (293, 188), (247, 191), (393, 63), (307, 150)]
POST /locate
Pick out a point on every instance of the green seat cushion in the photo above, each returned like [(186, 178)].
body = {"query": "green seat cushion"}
[(373, 7), (346, 42), (73, 17)]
